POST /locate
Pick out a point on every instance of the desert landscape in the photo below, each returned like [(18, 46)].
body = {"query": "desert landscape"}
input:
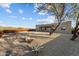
[(24, 41), (39, 29), (28, 43)]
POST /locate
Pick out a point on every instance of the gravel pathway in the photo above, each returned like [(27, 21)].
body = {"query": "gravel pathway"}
[(61, 46)]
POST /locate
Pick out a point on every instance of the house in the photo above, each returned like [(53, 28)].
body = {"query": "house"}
[(65, 27)]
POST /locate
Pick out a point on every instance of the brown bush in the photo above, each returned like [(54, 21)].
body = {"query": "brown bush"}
[(1, 33), (29, 40)]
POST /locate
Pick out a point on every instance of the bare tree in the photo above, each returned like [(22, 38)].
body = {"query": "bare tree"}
[(75, 15), (59, 10)]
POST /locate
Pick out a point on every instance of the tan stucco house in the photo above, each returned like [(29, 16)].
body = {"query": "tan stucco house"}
[(65, 27)]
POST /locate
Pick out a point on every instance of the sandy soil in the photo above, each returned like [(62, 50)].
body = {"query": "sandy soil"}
[(44, 39), (55, 45)]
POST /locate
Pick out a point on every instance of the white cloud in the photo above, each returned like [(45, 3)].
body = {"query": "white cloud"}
[(30, 18), (23, 18), (34, 11), (49, 19), (43, 12), (6, 6), (36, 5), (8, 10), (20, 11)]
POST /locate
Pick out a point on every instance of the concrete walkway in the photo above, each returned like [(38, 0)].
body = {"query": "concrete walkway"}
[(61, 46)]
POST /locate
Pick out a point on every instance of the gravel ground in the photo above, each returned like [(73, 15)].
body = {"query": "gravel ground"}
[(61, 46), (54, 45)]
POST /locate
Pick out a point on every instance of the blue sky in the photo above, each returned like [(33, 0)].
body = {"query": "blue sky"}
[(22, 15)]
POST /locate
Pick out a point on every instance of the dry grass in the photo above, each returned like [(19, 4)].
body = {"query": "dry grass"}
[(45, 38), (39, 38)]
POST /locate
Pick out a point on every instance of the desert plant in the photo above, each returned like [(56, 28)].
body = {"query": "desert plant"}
[(36, 49)]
